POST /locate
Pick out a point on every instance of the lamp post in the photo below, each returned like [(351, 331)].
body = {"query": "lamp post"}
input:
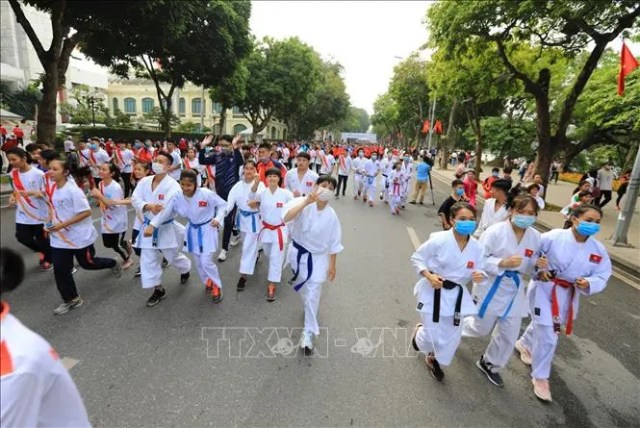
[(91, 100)]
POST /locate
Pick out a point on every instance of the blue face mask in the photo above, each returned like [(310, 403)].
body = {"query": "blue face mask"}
[(523, 221), (407, 158), (495, 174), (460, 192), (93, 146), (137, 145), (586, 228), (465, 227)]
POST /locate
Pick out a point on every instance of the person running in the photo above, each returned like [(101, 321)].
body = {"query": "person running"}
[(114, 220), (273, 234), (422, 179), (408, 169), (371, 169), (72, 235), (301, 179), (623, 183), (36, 387), (457, 195), (266, 162), (123, 159), (140, 170), (445, 263), (191, 162), (495, 209), (316, 240), (394, 183), (227, 163), (31, 211), (471, 187), (344, 169), (205, 211), (247, 218), (161, 234), (510, 250), (578, 264), (358, 175)]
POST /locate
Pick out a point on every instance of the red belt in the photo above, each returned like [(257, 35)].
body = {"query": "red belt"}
[(555, 310), (278, 227)]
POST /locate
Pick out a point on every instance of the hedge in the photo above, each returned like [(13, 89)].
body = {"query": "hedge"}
[(130, 135)]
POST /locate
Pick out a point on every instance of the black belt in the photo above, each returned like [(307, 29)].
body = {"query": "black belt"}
[(447, 285)]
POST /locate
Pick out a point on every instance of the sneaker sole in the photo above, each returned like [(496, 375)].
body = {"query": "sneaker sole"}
[(413, 337), (150, 305), (479, 366)]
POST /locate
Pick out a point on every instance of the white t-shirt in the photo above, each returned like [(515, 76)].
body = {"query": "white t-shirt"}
[(30, 210), (98, 158), (124, 160), (35, 388), (114, 218), (175, 174), (68, 202), (605, 179)]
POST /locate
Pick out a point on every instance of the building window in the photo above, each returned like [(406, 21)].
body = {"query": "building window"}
[(196, 106), (273, 132), (217, 108), (147, 105), (239, 128), (284, 134), (236, 111), (130, 105), (115, 105), (182, 106)]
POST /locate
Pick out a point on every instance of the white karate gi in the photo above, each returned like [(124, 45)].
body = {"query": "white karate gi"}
[(326, 163), (386, 167), (358, 169), (490, 216), (371, 170), (303, 186), (571, 260), (441, 255), (247, 222), (201, 238), (169, 232), (319, 233), (408, 169), (274, 241), (395, 180), (505, 310)]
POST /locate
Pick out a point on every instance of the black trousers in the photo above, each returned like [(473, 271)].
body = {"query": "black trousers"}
[(607, 198), (228, 228), (126, 180), (117, 243), (134, 236), (621, 191), (554, 177), (318, 168), (342, 181), (33, 237), (63, 265)]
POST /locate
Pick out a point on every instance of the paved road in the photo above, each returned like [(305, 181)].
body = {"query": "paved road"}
[(169, 365)]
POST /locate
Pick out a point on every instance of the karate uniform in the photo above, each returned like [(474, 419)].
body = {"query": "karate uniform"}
[(441, 255), (501, 301), (490, 216), (407, 168), (247, 222), (371, 169), (304, 186), (315, 235), (177, 161), (37, 390), (386, 166), (273, 233), (358, 178), (571, 260), (395, 181), (168, 233), (201, 238)]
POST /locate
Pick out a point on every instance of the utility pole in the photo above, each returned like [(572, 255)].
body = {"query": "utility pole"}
[(433, 115), (202, 112), (619, 237)]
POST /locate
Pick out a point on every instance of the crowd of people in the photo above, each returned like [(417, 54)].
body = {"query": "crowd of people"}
[(276, 202)]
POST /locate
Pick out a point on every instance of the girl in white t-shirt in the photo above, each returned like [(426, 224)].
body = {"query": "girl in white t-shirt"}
[(31, 211), (72, 235), (114, 222)]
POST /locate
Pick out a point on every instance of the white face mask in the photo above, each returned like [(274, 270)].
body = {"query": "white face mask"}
[(324, 194), (157, 168)]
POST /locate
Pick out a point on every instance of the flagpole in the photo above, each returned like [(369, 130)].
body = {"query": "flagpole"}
[(433, 114), (619, 237)]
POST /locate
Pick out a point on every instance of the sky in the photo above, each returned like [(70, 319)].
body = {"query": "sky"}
[(366, 37)]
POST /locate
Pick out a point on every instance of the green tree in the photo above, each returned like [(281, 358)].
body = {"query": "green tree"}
[(230, 91), (570, 26), (172, 42), (22, 101), (165, 121), (385, 117)]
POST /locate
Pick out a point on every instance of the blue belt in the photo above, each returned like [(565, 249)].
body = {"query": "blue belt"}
[(514, 275), (198, 228), (247, 214), (301, 252), (154, 236)]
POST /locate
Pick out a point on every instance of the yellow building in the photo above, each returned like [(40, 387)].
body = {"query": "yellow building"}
[(135, 97)]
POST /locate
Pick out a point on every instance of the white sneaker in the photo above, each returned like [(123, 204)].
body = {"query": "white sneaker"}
[(525, 355), (74, 270), (67, 306), (235, 240), (306, 341), (222, 256)]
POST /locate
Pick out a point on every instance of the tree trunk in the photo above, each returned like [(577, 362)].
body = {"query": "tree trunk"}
[(629, 158), (223, 119), (46, 131), (546, 147)]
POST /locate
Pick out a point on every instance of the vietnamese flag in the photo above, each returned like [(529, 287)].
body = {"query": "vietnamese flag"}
[(627, 64), (437, 128), (426, 126)]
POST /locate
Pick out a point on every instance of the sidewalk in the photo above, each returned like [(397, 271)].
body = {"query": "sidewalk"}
[(560, 195)]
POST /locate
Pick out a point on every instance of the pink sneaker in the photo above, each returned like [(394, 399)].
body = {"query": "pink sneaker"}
[(541, 390)]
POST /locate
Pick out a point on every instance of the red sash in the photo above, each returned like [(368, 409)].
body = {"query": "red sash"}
[(19, 187), (118, 153), (105, 209), (555, 309), (93, 157), (187, 163), (342, 163), (278, 227), (50, 190)]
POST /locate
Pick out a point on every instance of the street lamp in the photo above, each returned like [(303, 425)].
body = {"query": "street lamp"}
[(92, 100)]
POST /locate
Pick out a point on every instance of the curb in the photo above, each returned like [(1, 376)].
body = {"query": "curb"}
[(628, 269)]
